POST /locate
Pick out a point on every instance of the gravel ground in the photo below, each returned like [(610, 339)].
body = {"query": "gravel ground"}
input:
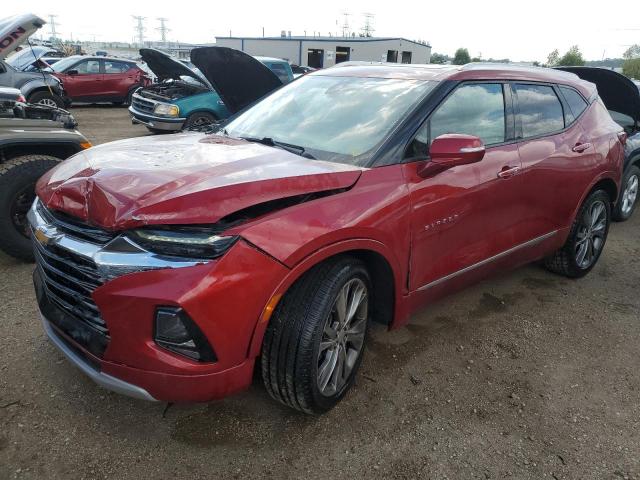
[(528, 375)]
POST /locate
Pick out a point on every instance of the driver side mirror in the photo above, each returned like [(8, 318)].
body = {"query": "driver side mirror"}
[(72, 72), (451, 150)]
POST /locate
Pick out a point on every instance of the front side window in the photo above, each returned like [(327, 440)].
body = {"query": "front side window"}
[(90, 67), (540, 110), (334, 118), (473, 109), (577, 104)]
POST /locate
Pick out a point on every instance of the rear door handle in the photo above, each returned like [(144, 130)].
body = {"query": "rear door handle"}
[(581, 147), (508, 172)]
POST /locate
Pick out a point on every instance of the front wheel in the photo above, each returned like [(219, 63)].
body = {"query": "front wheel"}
[(46, 98), (314, 343), (628, 195), (199, 120), (18, 179), (586, 240)]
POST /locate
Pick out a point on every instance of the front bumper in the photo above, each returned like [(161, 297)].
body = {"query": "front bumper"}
[(155, 122), (224, 298)]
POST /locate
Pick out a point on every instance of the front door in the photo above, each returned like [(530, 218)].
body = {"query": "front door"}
[(84, 81), (315, 58), (468, 214)]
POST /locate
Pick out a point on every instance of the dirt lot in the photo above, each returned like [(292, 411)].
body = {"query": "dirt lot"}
[(525, 376)]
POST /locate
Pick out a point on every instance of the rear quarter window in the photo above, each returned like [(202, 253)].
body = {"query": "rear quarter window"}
[(576, 103), (540, 110)]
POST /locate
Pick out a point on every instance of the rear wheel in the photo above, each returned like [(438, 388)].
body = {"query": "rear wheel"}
[(628, 195), (18, 178), (45, 97), (314, 343), (586, 240)]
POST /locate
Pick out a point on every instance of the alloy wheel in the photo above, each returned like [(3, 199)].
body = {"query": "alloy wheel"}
[(591, 234), (630, 195), (49, 102), (343, 337)]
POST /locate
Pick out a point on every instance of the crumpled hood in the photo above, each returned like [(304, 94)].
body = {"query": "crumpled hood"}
[(189, 178)]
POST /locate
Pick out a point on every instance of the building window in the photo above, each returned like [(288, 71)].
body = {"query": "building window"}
[(343, 54), (406, 57), (392, 56)]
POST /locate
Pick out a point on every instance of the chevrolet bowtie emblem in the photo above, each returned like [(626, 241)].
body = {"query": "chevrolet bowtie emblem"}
[(42, 236)]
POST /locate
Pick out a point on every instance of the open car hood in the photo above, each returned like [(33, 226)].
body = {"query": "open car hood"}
[(618, 92), (165, 67), (238, 78), (14, 31), (188, 178)]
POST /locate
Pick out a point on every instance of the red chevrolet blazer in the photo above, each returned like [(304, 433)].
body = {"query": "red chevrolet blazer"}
[(167, 265)]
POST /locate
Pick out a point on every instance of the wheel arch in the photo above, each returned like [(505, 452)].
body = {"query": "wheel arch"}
[(61, 150), (387, 305)]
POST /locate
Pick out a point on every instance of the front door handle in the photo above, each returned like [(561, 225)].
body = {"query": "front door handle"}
[(508, 172), (581, 147)]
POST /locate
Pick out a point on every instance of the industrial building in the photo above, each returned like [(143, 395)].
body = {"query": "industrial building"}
[(322, 52)]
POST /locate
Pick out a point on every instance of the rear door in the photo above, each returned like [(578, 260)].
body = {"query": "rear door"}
[(556, 153), (84, 83), (118, 78), (466, 215)]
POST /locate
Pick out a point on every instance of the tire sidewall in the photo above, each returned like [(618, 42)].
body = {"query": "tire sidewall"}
[(347, 273), (41, 95), (598, 195), (194, 116)]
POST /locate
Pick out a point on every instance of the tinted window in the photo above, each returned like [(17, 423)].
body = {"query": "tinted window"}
[(280, 71), (576, 103), (115, 67), (88, 68), (540, 110)]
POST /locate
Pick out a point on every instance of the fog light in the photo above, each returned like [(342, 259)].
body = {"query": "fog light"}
[(175, 331)]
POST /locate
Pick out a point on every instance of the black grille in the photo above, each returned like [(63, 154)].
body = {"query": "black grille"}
[(75, 227), (142, 105)]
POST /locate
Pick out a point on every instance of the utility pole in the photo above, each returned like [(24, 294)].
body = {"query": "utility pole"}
[(345, 24), (163, 29), (139, 28), (52, 26), (367, 28)]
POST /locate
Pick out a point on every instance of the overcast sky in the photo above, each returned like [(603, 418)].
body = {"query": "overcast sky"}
[(500, 29)]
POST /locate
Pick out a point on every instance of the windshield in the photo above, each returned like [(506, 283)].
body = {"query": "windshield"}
[(64, 64), (338, 119)]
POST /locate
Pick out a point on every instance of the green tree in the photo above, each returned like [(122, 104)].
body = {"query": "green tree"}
[(461, 57), (631, 68), (439, 58), (632, 52), (573, 57), (553, 58)]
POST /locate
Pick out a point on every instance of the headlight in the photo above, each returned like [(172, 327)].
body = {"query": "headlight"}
[(166, 110), (189, 242)]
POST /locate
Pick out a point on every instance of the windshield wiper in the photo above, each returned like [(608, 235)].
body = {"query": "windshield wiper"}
[(270, 142)]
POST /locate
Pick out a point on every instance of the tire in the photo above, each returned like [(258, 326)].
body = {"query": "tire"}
[(629, 193), (199, 119), (586, 240), (292, 357), (17, 190), (45, 97)]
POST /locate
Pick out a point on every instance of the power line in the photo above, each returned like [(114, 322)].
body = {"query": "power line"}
[(163, 29), (345, 24), (367, 28), (52, 26), (139, 28)]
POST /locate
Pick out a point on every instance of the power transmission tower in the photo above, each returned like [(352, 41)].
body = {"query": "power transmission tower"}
[(345, 24), (52, 26), (367, 28), (163, 28), (139, 28)]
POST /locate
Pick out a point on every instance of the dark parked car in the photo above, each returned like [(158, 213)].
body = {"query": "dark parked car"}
[(167, 265), (621, 96), (100, 79), (33, 139)]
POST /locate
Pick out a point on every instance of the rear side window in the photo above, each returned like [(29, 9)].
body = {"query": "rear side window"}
[(540, 110), (116, 67), (577, 104)]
